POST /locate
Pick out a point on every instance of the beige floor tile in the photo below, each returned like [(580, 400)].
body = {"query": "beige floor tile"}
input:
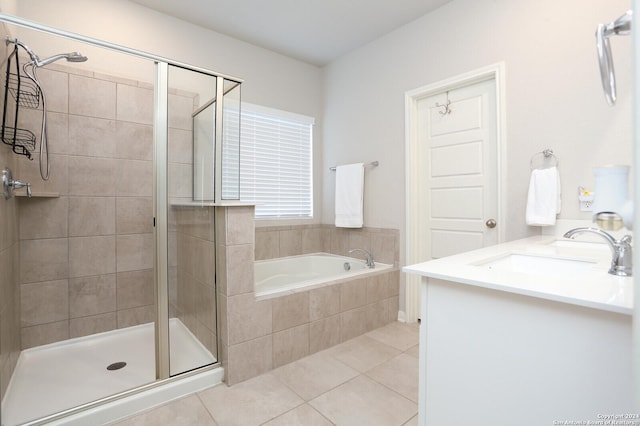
[(363, 401), (302, 415), (412, 422), (249, 403), (363, 353), (314, 375), (414, 351), (400, 336), (187, 411), (342, 396), (399, 374)]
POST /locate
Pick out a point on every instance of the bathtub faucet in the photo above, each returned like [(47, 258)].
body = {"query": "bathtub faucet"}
[(367, 253), (621, 263)]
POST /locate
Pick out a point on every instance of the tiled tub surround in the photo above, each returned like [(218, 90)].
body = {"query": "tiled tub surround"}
[(86, 237), (257, 336), (283, 241)]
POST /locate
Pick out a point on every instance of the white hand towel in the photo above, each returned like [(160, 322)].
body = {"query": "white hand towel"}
[(543, 201), (349, 195)]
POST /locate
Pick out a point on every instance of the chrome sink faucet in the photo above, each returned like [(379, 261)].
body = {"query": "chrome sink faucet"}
[(368, 254), (622, 261)]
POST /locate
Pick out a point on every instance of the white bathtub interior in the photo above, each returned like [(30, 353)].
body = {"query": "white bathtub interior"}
[(58, 376), (276, 277)]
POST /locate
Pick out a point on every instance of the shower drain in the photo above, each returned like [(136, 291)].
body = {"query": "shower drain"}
[(116, 366)]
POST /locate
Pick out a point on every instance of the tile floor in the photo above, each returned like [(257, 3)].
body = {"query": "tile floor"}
[(369, 380)]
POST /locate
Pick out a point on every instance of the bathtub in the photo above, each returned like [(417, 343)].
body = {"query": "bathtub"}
[(287, 275)]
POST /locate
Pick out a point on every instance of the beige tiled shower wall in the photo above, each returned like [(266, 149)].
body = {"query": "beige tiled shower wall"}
[(192, 272), (9, 267), (86, 237), (281, 241)]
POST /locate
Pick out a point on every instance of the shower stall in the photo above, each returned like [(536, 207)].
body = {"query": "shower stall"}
[(120, 162)]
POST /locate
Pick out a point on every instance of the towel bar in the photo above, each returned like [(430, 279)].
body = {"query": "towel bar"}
[(372, 164)]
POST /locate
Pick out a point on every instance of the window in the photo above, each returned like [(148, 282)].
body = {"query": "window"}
[(276, 162)]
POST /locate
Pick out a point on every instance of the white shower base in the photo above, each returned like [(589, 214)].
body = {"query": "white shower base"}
[(62, 375)]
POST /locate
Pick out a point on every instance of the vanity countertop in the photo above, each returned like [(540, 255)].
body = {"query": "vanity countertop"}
[(545, 267)]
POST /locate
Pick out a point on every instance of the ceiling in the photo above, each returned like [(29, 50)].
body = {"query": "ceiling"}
[(313, 31)]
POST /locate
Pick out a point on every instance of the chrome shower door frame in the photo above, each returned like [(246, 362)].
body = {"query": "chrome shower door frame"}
[(161, 217)]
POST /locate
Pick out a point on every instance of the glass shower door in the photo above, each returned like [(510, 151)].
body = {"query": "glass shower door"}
[(191, 234)]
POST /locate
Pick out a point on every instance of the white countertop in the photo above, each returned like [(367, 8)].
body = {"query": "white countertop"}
[(593, 287)]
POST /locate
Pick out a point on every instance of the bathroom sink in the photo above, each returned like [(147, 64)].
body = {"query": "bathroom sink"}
[(538, 265)]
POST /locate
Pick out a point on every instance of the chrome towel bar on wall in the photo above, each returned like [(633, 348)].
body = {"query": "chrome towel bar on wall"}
[(371, 164)]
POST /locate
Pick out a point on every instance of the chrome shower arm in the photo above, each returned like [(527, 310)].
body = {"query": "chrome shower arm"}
[(17, 42)]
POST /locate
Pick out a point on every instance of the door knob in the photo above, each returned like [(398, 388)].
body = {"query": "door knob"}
[(491, 223)]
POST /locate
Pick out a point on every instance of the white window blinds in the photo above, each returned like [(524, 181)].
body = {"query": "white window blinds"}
[(276, 162)]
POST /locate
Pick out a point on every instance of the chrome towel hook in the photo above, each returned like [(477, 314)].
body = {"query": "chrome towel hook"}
[(447, 106)]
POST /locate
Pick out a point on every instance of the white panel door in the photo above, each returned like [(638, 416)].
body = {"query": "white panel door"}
[(460, 169)]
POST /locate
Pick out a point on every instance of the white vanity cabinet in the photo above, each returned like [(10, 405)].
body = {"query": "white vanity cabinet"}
[(502, 347)]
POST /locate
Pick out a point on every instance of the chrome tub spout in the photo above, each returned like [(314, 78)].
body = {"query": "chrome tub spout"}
[(368, 254)]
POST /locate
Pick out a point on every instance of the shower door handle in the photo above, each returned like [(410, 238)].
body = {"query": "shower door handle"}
[(491, 223)]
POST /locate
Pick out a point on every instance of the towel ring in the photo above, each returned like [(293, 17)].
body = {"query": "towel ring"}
[(548, 159)]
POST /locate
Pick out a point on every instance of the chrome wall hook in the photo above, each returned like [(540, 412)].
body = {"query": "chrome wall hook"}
[(447, 106)]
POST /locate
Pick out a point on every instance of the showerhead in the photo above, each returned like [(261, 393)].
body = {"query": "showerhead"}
[(35, 60), (76, 57), (70, 57)]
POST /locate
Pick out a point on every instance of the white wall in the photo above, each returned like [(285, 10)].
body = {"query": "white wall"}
[(270, 79), (553, 96)]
